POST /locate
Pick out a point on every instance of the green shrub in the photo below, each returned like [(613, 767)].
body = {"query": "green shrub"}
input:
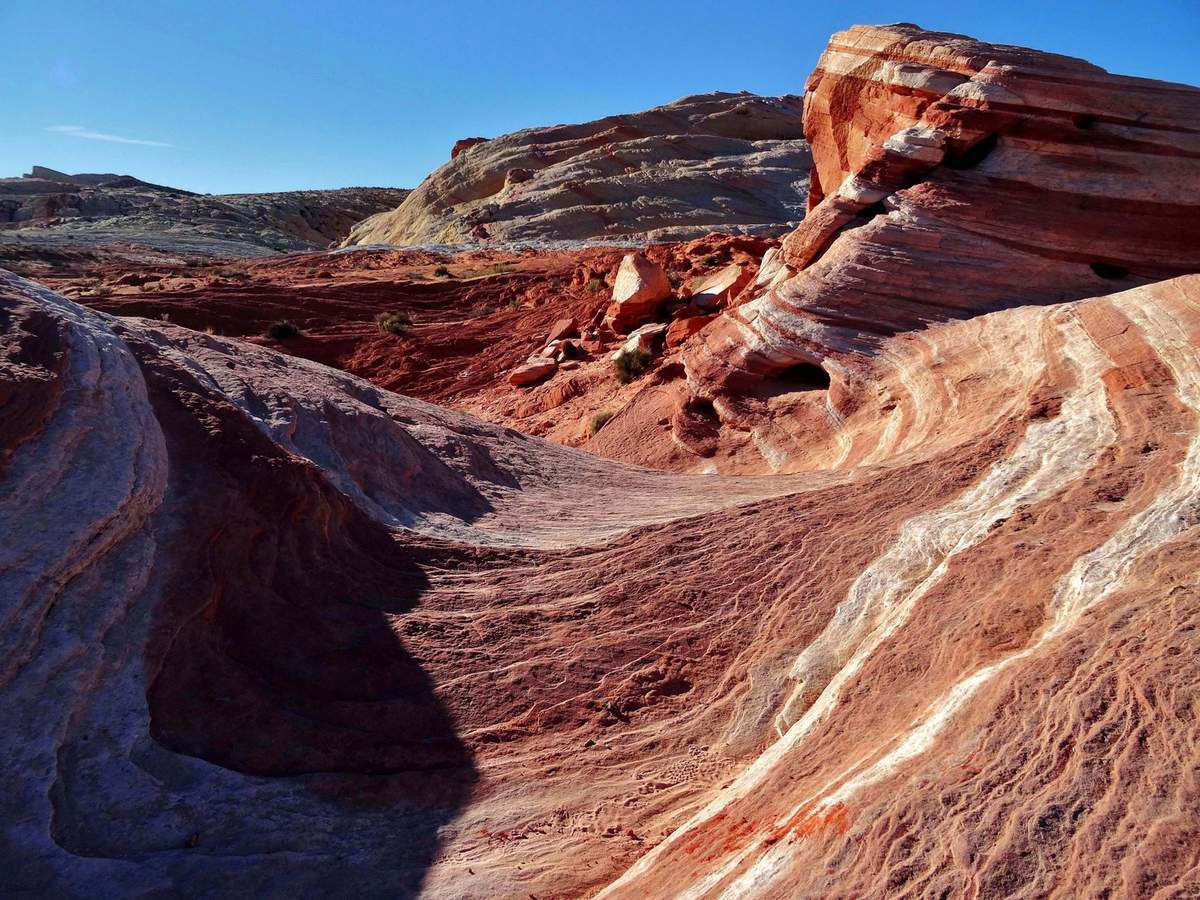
[(628, 367), (394, 322), (283, 329), (441, 272), (514, 304), (598, 421), (594, 286)]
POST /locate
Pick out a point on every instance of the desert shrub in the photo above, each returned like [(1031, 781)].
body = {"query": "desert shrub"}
[(498, 269), (441, 272), (283, 329), (594, 286), (712, 260), (479, 310), (598, 421), (628, 367), (394, 322), (514, 304), (101, 290)]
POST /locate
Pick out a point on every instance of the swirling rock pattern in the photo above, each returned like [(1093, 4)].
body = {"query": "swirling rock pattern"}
[(953, 177), (271, 629)]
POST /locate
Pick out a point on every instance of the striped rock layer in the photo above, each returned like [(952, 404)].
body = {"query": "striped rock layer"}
[(951, 178), (727, 162), (269, 628)]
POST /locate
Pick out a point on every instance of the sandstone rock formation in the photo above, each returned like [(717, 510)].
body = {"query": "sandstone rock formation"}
[(252, 605), (465, 144), (712, 162), (273, 629), (49, 206), (953, 177), (638, 292), (707, 292), (533, 370)]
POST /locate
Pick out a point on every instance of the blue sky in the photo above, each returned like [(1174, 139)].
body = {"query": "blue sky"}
[(221, 96)]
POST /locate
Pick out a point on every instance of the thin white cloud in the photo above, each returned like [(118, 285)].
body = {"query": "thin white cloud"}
[(80, 132)]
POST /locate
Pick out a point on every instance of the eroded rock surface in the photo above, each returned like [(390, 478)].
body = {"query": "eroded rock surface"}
[(271, 628), (253, 605), (953, 177), (712, 162), (55, 209)]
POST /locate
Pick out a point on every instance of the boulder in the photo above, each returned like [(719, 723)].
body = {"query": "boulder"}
[(563, 328), (562, 349), (717, 289), (640, 288), (533, 370)]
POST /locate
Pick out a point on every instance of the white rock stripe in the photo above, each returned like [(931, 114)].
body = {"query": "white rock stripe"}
[(101, 457), (1049, 456), (1092, 578)]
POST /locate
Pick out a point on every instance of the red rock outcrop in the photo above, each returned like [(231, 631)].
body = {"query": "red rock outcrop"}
[(258, 602), (951, 178), (465, 144), (271, 628)]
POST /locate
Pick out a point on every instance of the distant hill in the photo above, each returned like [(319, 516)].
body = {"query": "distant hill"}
[(730, 162), (50, 206)]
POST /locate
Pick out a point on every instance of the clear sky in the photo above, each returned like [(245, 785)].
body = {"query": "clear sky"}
[(251, 96)]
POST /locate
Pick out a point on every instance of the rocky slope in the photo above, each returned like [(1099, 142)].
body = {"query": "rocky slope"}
[(51, 208), (271, 628), (713, 162), (473, 318)]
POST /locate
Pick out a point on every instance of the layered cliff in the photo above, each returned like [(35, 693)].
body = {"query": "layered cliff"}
[(951, 178), (712, 162)]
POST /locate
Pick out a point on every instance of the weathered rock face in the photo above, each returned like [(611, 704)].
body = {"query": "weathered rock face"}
[(263, 618), (252, 605), (465, 144), (953, 177), (712, 162), (51, 206), (638, 292)]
